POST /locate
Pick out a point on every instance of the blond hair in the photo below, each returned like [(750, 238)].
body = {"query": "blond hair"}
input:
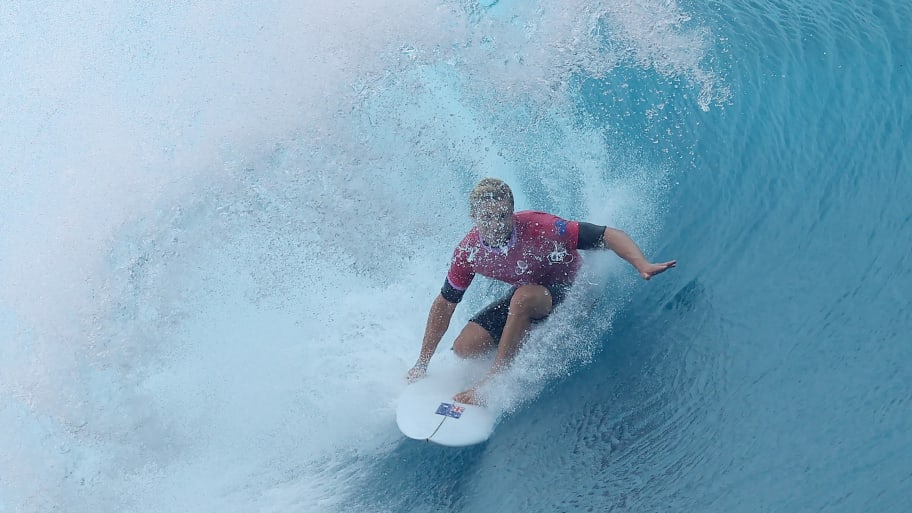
[(489, 189)]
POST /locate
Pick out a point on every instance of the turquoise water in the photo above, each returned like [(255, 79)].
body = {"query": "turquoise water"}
[(223, 229)]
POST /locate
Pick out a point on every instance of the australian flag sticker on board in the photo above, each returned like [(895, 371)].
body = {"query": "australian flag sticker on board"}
[(450, 410)]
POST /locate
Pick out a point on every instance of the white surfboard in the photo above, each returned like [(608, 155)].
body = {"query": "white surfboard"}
[(427, 411)]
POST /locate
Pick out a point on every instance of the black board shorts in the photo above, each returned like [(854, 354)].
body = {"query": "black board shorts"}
[(493, 317)]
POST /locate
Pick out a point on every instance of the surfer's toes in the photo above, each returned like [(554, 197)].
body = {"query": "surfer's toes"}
[(467, 397)]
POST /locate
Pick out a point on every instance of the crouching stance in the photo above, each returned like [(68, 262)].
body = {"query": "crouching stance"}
[(536, 253)]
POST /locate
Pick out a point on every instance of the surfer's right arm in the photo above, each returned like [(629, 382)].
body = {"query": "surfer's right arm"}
[(458, 279), (437, 324)]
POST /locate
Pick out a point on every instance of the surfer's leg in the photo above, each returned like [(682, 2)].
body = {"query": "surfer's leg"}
[(529, 303)]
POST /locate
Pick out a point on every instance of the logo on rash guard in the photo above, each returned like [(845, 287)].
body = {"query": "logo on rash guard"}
[(559, 254), (521, 268), (561, 226)]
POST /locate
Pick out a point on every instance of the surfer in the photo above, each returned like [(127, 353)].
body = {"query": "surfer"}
[(536, 253)]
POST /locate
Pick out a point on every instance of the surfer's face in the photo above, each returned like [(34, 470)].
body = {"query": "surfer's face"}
[(494, 220)]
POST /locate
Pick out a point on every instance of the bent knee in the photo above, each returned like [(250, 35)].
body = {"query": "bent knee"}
[(473, 341), (461, 348), (534, 300)]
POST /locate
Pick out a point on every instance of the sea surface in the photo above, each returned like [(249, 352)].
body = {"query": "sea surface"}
[(223, 225)]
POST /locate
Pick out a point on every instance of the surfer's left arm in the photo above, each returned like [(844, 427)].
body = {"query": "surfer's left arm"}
[(621, 243)]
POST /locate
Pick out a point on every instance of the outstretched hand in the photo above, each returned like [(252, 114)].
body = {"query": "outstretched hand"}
[(650, 270)]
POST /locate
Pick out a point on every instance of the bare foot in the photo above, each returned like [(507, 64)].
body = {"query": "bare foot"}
[(467, 397)]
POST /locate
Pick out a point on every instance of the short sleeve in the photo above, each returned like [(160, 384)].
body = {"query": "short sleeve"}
[(566, 232), (461, 271)]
